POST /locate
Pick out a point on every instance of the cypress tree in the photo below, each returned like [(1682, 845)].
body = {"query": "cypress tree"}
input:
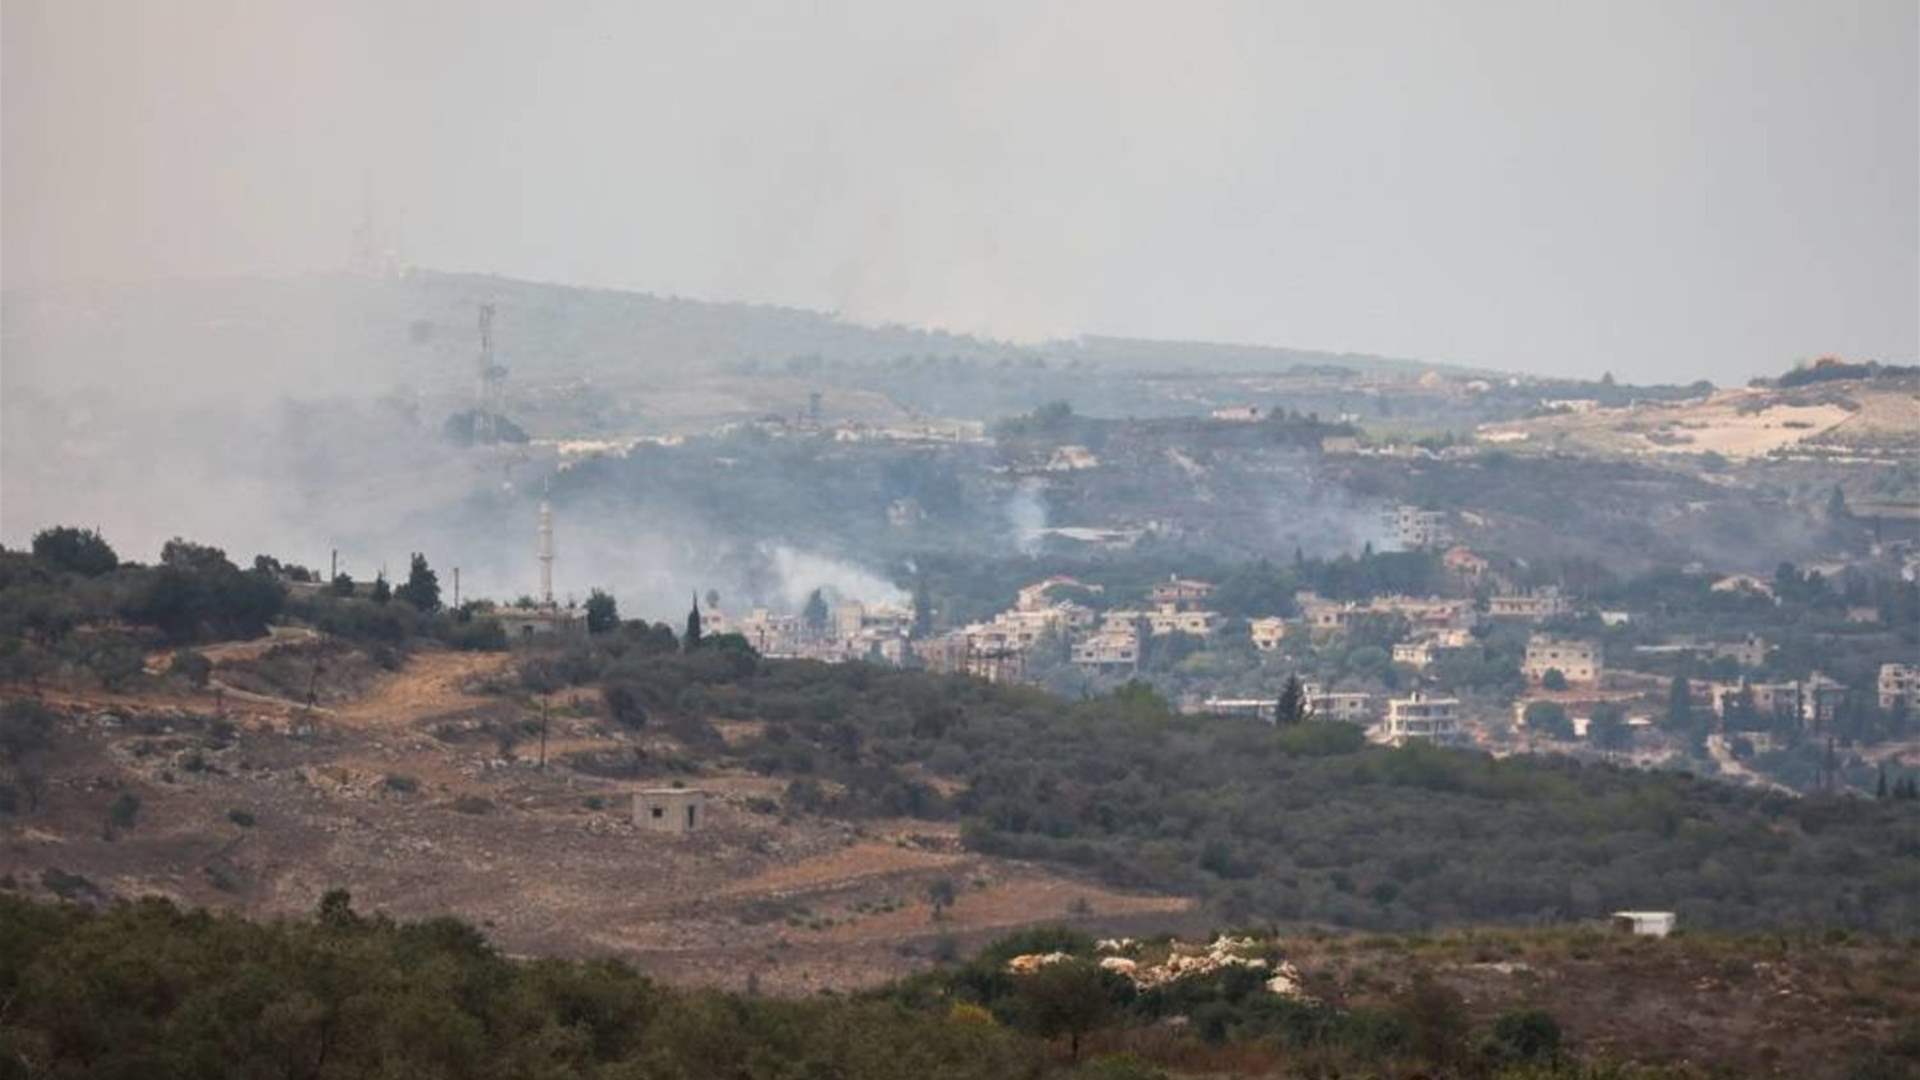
[(1293, 702)]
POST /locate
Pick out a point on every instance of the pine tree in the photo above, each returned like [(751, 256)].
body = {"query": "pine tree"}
[(382, 592), (1880, 786)]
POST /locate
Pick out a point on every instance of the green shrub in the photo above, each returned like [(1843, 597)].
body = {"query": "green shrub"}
[(124, 811)]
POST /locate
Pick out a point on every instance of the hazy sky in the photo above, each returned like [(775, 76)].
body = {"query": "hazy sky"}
[(1668, 190)]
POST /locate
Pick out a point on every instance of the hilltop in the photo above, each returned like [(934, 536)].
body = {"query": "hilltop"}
[(420, 329), (1872, 418)]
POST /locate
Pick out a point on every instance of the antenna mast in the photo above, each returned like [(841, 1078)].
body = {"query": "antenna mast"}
[(484, 428)]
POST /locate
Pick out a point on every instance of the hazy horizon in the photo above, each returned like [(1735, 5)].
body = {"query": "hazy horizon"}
[(1664, 192)]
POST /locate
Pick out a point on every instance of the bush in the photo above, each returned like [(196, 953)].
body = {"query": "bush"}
[(195, 668), (623, 705), (1320, 739), (1525, 1036), (1436, 1020), (405, 785), (242, 818), (124, 811), (1549, 718), (69, 886), (475, 635), (1117, 1067), (26, 726)]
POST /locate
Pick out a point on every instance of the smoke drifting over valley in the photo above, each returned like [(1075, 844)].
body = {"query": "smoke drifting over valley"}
[(184, 184), (304, 416)]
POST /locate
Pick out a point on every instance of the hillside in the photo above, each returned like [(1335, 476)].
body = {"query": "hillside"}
[(420, 330), (1871, 418), (355, 747)]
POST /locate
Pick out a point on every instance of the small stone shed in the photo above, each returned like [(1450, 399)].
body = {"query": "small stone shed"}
[(671, 810)]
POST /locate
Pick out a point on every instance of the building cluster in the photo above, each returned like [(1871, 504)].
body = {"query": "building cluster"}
[(1417, 717), (1109, 641), (851, 631), (1815, 700), (1427, 615)]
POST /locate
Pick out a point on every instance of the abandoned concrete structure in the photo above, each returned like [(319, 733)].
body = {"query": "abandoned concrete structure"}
[(1534, 605), (1899, 686), (670, 810), (521, 622), (1414, 528), (1576, 660)]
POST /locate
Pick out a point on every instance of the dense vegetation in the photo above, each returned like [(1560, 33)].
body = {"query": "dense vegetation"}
[(1832, 370), (144, 989), (1298, 823), (72, 608)]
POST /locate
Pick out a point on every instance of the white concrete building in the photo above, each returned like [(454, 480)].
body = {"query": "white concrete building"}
[(1420, 717), (1644, 923), (1349, 707)]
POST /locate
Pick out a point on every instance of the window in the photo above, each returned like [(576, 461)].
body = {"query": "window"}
[(659, 812)]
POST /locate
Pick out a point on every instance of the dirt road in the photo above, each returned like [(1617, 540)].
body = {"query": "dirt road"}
[(431, 684), (1731, 767)]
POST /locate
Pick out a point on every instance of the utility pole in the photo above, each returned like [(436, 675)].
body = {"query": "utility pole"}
[(456, 588), (543, 734), (334, 568)]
